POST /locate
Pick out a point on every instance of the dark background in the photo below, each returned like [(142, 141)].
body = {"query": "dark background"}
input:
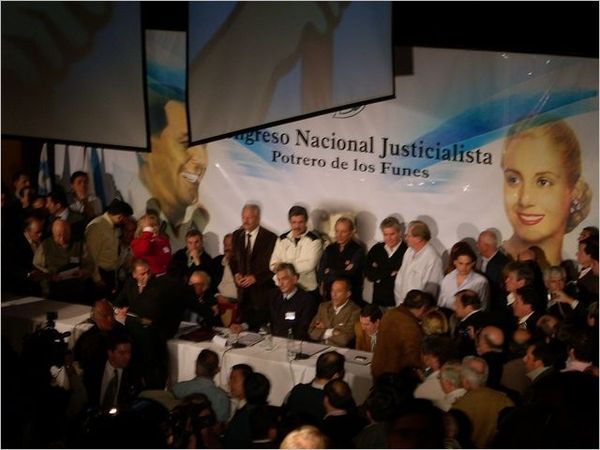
[(559, 28)]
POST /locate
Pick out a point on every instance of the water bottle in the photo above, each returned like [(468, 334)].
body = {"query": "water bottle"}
[(291, 348), (269, 338)]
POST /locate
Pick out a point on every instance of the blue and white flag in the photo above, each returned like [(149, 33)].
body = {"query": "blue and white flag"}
[(44, 180)]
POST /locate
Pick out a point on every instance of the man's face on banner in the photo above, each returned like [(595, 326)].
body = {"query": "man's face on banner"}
[(175, 170)]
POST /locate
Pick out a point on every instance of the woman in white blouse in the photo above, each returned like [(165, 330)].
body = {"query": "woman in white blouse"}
[(463, 277)]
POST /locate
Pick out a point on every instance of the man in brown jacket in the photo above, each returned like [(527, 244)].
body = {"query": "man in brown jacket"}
[(335, 319), (400, 335)]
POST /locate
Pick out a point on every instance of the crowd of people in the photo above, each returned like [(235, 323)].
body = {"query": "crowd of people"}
[(490, 351)]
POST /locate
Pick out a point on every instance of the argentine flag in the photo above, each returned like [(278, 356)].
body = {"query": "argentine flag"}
[(44, 180)]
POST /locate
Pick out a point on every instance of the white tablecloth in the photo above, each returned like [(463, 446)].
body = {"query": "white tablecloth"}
[(25, 315), (274, 364)]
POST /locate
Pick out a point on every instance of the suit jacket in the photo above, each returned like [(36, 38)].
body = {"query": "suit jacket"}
[(379, 269), (254, 299), (493, 272), (14, 275), (343, 322), (588, 288), (130, 387), (333, 264), (398, 342), (302, 307), (483, 407), (477, 320)]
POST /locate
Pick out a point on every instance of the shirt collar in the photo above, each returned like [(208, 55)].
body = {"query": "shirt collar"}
[(392, 250), (337, 309), (290, 294)]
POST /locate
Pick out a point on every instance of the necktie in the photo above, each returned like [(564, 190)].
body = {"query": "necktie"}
[(373, 342), (111, 392), (248, 253)]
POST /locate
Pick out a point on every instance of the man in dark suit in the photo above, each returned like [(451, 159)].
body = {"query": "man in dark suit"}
[(383, 262), (524, 308), (341, 422), (291, 306), (471, 320), (252, 249), (147, 305), (19, 277), (491, 264), (112, 383), (58, 207)]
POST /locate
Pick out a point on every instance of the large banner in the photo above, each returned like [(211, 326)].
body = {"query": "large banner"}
[(474, 140)]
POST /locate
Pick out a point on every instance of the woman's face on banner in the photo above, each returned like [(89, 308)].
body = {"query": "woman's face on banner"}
[(537, 195)]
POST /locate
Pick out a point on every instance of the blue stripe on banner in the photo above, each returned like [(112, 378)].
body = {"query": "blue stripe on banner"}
[(97, 176)]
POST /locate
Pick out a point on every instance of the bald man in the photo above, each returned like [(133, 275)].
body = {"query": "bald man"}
[(491, 263), (65, 264), (490, 346)]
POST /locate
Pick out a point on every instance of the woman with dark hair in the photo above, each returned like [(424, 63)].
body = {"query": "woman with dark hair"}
[(463, 277)]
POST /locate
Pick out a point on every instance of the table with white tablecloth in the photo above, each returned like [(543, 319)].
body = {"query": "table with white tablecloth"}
[(25, 315), (274, 364)]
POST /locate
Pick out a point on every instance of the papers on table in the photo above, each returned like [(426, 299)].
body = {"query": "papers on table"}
[(309, 348), (248, 339), (358, 357)]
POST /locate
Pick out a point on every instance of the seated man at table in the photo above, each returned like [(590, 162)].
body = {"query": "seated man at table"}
[(65, 264), (291, 306), (334, 322), (207, 366), (367, 327)]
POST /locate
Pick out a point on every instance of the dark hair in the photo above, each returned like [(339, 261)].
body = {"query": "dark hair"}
[(381, 403), (207, 363), (522, 271), (77, 174), (463, 249), (582, 343), (529, 296), (416, 299), (551, 354), (117, 207), (115, 338), (297, 211), (339, 394), (423, 427), (373, 312), (468, 297), (58, 197), (441, 347), (329, 364), (590, 246), (262, 419), (257, 388), (193, 232), (245, 369)]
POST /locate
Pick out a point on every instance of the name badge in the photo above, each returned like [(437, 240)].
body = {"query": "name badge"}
[(290, 315), (74, 260)]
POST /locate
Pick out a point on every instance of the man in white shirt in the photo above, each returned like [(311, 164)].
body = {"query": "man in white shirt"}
[(299, 247), (421, 266)]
